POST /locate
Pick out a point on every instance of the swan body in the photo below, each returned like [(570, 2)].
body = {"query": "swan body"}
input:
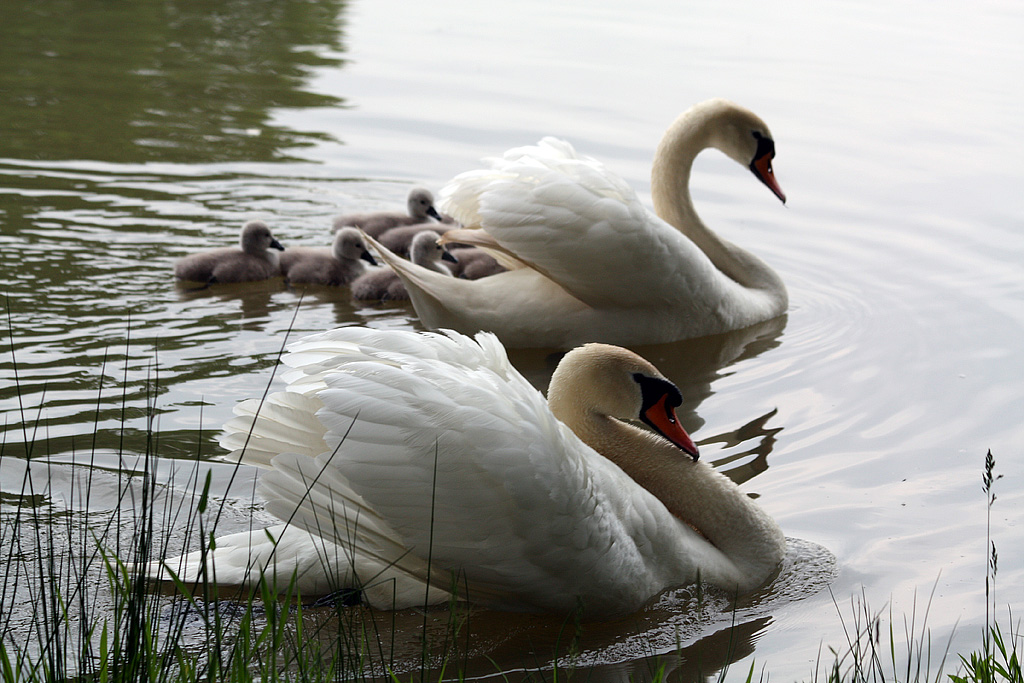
[(339, 264), (426, 458), (384, 283), (419, 205), (588, 262), (248, 262)]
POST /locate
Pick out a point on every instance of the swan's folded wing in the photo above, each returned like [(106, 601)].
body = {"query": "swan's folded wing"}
[(462, 461), (284, 422), (570, 218)]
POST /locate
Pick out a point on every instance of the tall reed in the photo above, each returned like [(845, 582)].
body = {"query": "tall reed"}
[(876, 653)]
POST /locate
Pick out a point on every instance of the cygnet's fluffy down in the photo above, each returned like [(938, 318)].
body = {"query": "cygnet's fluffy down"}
[(248, 262), (384, 284), (420, 207), (399, 240), (334, 266), (474, 263)]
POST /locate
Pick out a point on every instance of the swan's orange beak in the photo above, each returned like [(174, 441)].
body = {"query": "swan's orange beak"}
[(762, 168), (663, 418)]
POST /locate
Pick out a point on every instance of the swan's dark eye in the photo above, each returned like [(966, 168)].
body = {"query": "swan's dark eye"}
[(654, 388), (765, 146), (761, 165), (660, 399)]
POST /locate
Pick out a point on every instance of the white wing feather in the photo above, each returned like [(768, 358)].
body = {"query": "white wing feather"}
[(569, 217)]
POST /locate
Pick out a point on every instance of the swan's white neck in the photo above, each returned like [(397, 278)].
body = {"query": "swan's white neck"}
[(694, 131), (594, 383), (694, 492)]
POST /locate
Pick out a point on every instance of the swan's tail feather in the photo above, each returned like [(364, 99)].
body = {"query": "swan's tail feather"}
[(421, 277), (484, 241), (431, 292), (288, 557)]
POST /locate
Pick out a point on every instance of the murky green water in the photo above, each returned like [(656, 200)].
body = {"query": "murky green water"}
[(134, 133)]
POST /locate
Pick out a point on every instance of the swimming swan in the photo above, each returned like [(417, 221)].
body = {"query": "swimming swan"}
[(588, 262), (420, 207), (339, 264), (400, 452), (246, 263)]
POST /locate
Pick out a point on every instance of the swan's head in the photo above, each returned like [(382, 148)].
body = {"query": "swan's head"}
[(349, 245), (745, 138), (256, 238), (610, 381), (420, 205)]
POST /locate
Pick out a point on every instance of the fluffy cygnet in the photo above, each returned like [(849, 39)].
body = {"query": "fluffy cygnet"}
[(473, 263), (420, 207), (246, 263), (336, 265), (383, 284), (399, 239)]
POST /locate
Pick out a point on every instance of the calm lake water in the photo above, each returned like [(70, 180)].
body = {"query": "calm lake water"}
[(863, 416)]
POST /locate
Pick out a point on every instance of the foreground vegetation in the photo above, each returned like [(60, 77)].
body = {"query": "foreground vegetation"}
[(75, 606)]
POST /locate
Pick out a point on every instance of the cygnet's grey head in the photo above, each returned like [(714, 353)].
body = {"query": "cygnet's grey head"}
[(421, 205), (256, 238), (425, 251), (350, 246)]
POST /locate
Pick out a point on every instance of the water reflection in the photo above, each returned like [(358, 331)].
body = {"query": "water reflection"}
[(690, 633), (505, 644), (95, 333), (187, 82), (252, 300), (704, 659), (764, 440)]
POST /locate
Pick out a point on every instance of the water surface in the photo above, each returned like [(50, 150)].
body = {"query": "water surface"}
[(860, 419)]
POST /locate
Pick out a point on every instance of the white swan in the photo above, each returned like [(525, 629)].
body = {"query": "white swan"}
[(401, 451), (248, 262), (339, 264), (588, 261)]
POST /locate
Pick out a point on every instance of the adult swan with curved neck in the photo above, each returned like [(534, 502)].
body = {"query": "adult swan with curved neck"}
[(587, 261), (402, 459)]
